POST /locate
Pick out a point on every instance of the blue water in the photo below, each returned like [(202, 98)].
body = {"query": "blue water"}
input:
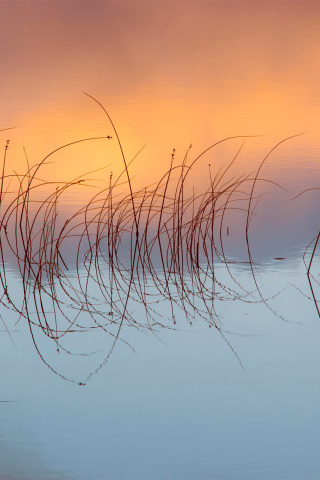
[(181, 407)]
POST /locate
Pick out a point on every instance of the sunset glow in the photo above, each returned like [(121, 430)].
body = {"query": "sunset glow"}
[(159, 239)]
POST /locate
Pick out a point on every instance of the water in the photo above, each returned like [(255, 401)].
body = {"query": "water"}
[(193, 402), (179, 409)]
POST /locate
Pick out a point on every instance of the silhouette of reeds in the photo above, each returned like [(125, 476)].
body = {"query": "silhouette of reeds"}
[(159, 245)]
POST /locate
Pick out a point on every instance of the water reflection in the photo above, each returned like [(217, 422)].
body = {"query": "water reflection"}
[(171, 74), (75, 271), (155, 248), (179, 409)]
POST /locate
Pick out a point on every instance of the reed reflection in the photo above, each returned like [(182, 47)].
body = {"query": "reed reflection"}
[(155, 248)]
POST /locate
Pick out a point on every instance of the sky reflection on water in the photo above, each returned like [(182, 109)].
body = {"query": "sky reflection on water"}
[(183, 409), (171, 74)]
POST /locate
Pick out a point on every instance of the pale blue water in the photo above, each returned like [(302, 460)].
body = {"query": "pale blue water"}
[(182, 409)]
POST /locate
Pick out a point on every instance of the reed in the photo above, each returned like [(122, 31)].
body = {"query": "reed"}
[(155, 246)]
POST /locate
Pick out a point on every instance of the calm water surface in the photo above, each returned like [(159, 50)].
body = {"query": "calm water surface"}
[(171, 74), (179, 409)]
